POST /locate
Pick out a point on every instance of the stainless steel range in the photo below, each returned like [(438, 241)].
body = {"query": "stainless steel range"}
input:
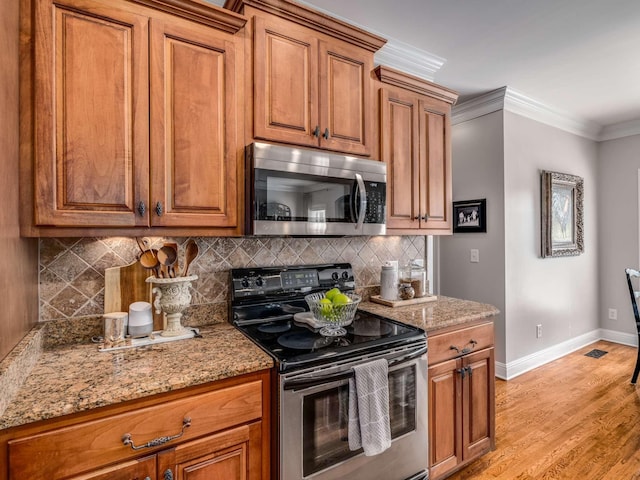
[(311, 391)]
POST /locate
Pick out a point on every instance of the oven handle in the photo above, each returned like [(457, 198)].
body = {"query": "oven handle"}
[(363, 201), (334, 377)]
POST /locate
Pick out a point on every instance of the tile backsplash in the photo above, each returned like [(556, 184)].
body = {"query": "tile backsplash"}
[(72, 269)]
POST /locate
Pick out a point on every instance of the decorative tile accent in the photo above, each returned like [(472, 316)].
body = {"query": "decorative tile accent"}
[(72, 269)]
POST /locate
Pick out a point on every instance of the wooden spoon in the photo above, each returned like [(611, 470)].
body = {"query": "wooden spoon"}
[(149, 260), (191, 252), (167, 256)]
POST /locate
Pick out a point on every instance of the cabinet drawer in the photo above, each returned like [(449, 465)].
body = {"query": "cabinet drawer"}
[(79, 448), (465, 340)]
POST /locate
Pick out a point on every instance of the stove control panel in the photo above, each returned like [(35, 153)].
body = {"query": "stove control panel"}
[(290, 280)]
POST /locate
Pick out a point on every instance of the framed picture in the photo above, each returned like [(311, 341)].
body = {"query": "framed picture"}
[(562, 223), (470, 216)]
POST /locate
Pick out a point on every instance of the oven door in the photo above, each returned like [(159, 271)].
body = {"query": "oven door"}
[(314, 424)]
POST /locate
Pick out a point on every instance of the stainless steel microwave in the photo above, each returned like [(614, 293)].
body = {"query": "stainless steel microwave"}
[(296, 191)]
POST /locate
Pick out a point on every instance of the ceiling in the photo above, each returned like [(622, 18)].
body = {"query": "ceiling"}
[(579, 57)]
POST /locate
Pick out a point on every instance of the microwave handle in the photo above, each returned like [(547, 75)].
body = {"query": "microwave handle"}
[(363, 201)]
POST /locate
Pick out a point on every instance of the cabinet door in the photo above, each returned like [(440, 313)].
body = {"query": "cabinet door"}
[(232, 455), (285, 82), (91, 121), (345, 102), (445, 417), (141, 469), (478, 429), (194, 129), (435, 166), (399, 149)]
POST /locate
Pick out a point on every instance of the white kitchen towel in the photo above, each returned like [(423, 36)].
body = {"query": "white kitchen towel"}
[(369, 425)]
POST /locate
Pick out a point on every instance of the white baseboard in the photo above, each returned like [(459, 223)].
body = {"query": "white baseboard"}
[(630, 339), (537, 359)]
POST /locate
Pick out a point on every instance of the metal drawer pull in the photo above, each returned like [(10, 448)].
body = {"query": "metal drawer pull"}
[(168, 474), (465, 350), (126, 438)]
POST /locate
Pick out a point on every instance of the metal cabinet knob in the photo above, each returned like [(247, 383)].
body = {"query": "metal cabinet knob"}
[(159, 210), (142, 208), (326, 134), (316, 132)]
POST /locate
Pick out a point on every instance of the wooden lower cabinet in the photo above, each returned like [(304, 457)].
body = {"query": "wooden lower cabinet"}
[(461, 400), (140, 469), (219, 431)]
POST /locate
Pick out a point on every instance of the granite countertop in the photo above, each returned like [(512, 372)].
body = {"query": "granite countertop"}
[(76, 378), (434, 315)]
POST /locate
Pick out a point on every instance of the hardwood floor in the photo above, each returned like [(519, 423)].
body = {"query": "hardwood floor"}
[(575, 418)]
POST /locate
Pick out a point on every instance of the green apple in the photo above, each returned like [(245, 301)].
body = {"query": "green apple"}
[(341, 299), (332, 293), (326, 306)]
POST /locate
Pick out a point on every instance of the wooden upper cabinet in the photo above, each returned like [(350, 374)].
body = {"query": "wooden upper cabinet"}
[(135, 115), (193, 118), (312, 81), (415, 142), (286, 83), (400, 150), (345, 98), (91, 138)]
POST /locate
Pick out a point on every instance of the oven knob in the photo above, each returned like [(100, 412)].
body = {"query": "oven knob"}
[(334, 275), (345, 275), (245, 282), (259, 282)]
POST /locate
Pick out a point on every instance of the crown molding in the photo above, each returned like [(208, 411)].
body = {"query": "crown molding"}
[(507, 99), (404, 57), (620, 130), (394, 53)]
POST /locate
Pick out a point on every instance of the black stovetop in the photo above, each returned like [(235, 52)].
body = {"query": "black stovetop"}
[(278, 320), (296, 345)]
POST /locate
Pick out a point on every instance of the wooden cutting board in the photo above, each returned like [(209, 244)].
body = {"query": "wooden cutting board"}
[(125, 285), (401, 303)]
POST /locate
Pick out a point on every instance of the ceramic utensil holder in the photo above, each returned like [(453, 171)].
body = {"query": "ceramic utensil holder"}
[(172, 296)]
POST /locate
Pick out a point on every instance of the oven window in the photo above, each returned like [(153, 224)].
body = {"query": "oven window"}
[(326, 418)]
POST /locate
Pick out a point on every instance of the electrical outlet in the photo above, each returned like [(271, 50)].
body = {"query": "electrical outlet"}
[(538, 331), (613, 314), (474, 255)]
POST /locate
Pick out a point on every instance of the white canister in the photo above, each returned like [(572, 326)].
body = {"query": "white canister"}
[(140, 319), (389, 282)]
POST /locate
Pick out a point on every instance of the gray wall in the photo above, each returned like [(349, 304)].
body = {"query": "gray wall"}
[(619, 162), (499, 157), (478, 173), (561, 294)]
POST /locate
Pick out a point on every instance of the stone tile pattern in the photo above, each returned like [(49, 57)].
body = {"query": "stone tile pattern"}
[(72, 269)]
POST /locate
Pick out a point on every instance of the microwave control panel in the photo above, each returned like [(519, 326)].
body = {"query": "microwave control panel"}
[(376, 202)]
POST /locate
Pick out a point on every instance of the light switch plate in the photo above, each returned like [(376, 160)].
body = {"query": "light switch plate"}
[(474, 256)]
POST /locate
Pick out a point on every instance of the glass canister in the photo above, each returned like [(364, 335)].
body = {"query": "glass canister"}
[(418, 278), (415, 275), (406, 290)]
